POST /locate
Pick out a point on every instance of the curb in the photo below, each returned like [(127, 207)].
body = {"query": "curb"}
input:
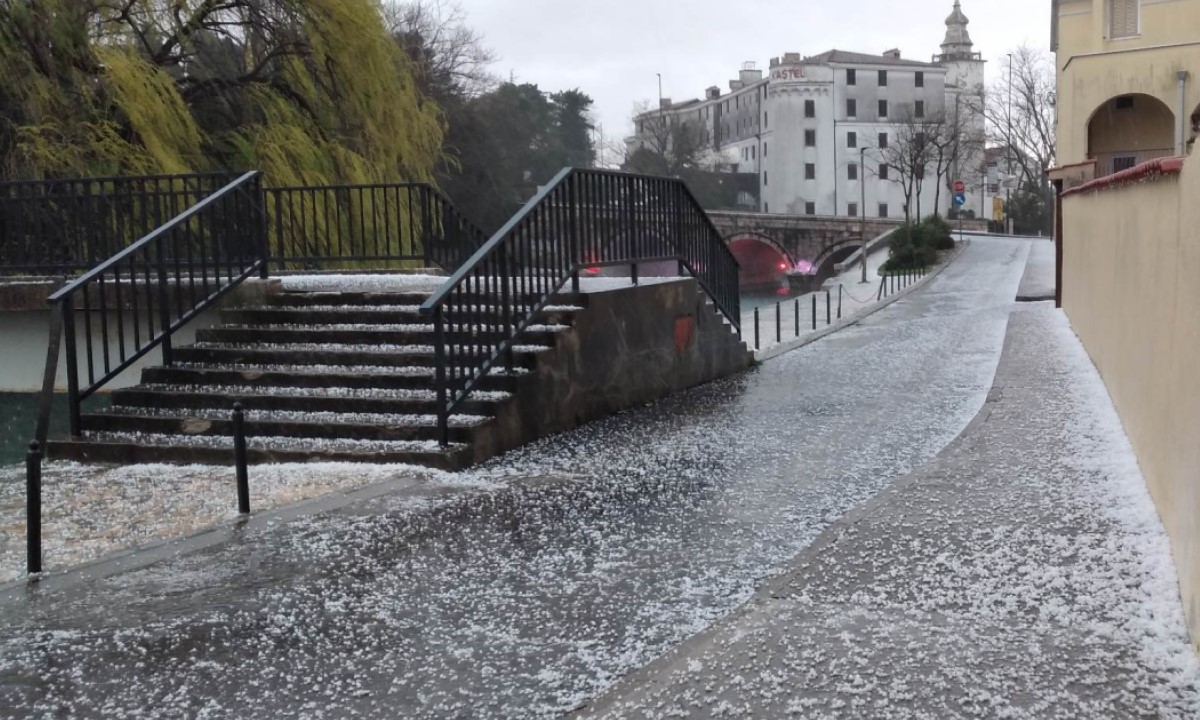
[(777, 350)]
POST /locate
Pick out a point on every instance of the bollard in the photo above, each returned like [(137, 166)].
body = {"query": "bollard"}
[(239, 459), (33, 509), (757, 344), (828, 308), (814, 309), (797, 318), (840, 288), (778, 323)]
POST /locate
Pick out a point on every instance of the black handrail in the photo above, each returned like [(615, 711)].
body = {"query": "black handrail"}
[(62, 226), (136, 300), (373, 225), (582, 219)]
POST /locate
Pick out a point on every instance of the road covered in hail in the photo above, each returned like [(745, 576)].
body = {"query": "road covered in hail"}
[(535, 582)]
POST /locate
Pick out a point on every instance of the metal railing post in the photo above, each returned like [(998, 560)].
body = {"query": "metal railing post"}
[(164, 307), (506, 294), (258, 200), (814, 311), (439, 372), (757, 344), (240, 460), (840, 289), (68, 314), (778, 323), (797, 317), (33, 509), (828, 308), (50, 375), (575, 239)]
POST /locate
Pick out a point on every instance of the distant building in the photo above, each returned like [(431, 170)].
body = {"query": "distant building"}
[(812, 128)]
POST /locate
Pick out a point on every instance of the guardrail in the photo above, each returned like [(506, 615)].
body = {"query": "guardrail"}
[(581, 219)]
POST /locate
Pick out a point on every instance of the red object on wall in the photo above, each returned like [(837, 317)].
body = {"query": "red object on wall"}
[(685, 333)]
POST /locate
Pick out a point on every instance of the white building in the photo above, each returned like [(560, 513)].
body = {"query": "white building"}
[(814, 128)]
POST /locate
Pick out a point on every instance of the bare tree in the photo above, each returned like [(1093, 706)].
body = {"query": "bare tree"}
[(909, 153), (451, 55), (1021, 117), (958, 141), (667, 144)]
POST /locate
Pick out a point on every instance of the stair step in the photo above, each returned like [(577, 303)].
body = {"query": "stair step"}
[(313, 377), (369, 315), (355, 335), (134, 449), (224, 397), (301, 299), (219, 423), (525, 356)]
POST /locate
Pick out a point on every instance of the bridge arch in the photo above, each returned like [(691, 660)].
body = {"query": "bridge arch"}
[(825, 264), (762, 260)]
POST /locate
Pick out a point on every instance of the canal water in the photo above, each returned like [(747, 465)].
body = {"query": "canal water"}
[(18, 415)]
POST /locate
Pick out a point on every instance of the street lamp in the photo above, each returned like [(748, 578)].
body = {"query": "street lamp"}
[(660, 95), (862, 207)]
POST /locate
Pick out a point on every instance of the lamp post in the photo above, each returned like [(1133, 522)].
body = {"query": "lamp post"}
[(660, 95), (862, 207), (1008, 155)]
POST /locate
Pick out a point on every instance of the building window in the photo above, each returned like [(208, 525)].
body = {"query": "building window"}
[(883, 141), (810, 138), (920, 108), (764, 150), (1123, 18), (851, 139), (1123, 163), (883, 171), (810, 108), (883, 109), (753, 153), (852, 171), (852, 209), (851, 77), (883, 210), (883, 78), (765, 178), (766, 119), (810, 208), (851, 108), (920, 79), (810, 171)]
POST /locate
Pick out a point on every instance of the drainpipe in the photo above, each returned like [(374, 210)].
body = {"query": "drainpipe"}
[(1181, 116)]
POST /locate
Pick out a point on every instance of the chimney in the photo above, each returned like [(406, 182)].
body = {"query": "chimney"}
[(894, 54), (712, 93), (791, 58), (735, 85)]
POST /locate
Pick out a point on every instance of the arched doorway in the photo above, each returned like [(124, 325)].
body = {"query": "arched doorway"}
[(764, 264), (1128, 130)]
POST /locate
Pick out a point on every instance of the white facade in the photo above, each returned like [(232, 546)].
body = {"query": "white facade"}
[(812, 128)]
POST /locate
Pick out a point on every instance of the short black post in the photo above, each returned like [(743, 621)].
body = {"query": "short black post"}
[(239, 458), (840, 288), (828, 308), (797, 317), (757, 344), (33, 509), (778, 324), (814, 311)]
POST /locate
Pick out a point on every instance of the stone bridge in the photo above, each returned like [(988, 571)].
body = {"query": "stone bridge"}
[(797, 249)]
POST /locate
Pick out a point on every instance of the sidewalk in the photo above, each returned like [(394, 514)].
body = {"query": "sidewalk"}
[(1022, 573)]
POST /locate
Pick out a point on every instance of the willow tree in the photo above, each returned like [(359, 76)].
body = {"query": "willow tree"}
[(310, 91)]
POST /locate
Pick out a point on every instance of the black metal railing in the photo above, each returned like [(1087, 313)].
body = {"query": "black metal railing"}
[(581, 219), (133, 302), (62, 227), (373, 227)]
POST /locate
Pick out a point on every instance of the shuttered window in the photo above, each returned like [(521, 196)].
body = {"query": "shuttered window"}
[(1123, 18)]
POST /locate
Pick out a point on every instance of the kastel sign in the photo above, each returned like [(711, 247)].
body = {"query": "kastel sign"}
[(788, 73)]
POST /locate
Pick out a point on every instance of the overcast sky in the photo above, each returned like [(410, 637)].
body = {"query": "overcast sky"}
[(611, 49)]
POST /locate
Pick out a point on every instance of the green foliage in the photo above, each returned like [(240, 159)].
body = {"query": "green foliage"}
[(505, 143), (311, 91), (917, 244)]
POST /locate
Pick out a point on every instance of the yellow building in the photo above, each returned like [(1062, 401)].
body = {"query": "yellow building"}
[(1129, 236), (1128, 80)]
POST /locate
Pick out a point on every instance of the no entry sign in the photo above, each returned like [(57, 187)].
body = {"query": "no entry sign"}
[(960, 186)]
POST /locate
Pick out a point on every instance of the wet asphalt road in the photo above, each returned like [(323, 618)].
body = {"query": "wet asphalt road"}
[(536, 581)]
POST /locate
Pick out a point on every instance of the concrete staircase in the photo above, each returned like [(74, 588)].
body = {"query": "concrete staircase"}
[(339, 377)]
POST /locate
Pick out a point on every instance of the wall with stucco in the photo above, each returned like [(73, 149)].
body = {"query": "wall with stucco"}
[(1093, 68), (1130, 263)]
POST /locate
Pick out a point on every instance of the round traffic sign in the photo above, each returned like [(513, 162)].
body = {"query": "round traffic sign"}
[(960, 186)]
